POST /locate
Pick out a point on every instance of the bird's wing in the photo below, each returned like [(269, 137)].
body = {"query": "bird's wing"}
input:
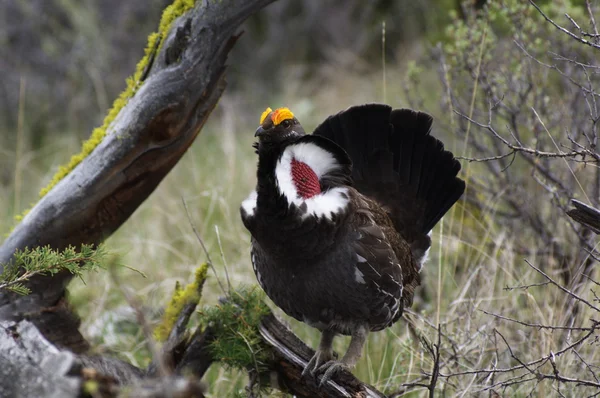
[(378, 263)]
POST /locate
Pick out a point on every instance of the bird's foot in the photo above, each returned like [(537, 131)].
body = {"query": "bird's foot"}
[(330, 369), (320, 358)]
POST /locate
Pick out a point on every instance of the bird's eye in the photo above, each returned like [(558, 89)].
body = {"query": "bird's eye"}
[(286, 124)]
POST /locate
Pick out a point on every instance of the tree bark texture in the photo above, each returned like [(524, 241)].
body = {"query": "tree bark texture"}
[(586, 215), (34, 367)]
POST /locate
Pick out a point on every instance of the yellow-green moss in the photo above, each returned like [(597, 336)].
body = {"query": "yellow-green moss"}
[(172, 12), (91, 387), (19, 217), (180, 298)]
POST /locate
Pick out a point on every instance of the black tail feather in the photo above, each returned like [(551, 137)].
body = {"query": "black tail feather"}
[(342, 128), (397, 162)]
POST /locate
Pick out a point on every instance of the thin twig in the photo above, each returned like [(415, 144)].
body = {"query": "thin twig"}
[(536, 325), (570, 293), (519, 148), (436, 363), (486, 159), (253, 355), (135, 304), (592, 18), (210, 263), (536, 362), (525, 287), (568, 32), (223, 258)]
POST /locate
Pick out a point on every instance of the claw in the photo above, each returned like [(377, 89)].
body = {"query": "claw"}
[(330, 369), (319, 359)]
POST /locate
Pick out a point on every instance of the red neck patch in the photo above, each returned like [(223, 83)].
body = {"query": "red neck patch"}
[(305, 180)]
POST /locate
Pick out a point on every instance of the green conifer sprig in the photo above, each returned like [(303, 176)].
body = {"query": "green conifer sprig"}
[(47, 261), (235, 322)]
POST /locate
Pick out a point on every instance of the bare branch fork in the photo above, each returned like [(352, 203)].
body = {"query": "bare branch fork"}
[(582, 33), (434, 351), (519, 148)]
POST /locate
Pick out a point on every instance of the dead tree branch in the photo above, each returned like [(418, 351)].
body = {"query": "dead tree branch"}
[(147, 138), (586, 215)]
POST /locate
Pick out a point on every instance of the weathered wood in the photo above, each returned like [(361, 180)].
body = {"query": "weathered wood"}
[(586, 215), (147, 138), (196, 357), (166, 387), (32, 367), (292, 355)]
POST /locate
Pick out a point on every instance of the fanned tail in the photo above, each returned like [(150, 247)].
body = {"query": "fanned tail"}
[(398, 163)]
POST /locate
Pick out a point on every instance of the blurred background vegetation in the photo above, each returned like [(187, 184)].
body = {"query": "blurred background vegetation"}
[(75, 55), (64, 61)]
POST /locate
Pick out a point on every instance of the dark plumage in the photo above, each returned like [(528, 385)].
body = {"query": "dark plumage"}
[(345, 258)]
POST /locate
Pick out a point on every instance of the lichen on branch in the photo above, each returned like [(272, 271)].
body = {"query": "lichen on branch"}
[(191, 294), (155, 42)]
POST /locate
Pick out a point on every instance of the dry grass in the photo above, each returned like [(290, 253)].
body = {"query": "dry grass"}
[(472, 261)]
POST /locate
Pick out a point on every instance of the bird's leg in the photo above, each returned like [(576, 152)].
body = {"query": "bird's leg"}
[(359, 336), (324, 353)]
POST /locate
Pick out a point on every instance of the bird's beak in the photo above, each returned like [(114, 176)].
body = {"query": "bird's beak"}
[(260, 131)]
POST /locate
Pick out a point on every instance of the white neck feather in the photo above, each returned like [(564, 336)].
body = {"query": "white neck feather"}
[(324, 204)]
